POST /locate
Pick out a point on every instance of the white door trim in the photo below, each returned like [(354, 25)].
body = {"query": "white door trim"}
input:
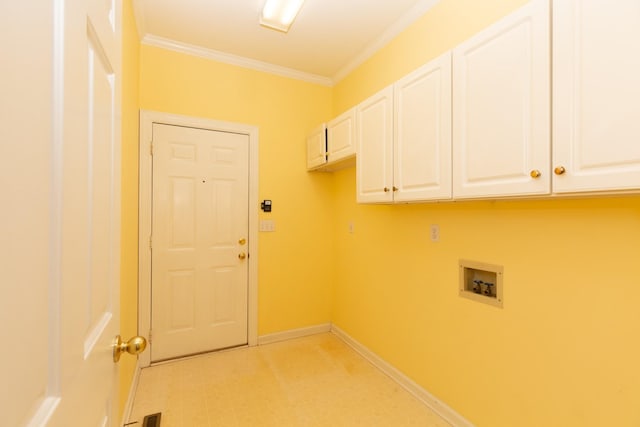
[(147, 119)]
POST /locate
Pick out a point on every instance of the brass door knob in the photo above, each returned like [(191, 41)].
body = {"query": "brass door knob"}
[(559, 170), (242, 241), (535, 173), (242, 255), (135, 345)]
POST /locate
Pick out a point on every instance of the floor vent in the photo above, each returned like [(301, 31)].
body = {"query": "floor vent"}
[(152, 420)]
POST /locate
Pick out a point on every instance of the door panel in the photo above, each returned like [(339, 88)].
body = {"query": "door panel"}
[(27, 211), (341, 136), (200, 215), (596, 131), (501, 125), (64, 224), (317, 147), (90, 209), (374, 160), (422, 130)]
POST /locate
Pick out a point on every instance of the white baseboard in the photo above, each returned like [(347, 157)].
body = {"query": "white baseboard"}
[(294, 333), (440, 408), (132, 394)]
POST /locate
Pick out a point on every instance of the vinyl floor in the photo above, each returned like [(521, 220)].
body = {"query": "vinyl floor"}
[(315, 381)]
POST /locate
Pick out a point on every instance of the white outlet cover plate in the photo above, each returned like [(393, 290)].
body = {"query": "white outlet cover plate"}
[(435, 232)]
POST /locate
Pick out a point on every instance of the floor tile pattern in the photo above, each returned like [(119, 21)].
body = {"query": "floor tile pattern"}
[(315, 381)]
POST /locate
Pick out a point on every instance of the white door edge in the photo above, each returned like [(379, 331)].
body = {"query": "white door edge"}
[(147, 119)]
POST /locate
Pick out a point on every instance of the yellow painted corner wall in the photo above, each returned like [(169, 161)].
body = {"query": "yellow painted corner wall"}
[(294, 261), (564, 350), (448, 23), (129, 207)]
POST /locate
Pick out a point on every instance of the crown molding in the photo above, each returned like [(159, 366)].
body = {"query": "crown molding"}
[(399, 26), (239, 61)]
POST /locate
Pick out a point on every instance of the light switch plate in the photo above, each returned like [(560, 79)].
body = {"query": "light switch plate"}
[(267, 225)]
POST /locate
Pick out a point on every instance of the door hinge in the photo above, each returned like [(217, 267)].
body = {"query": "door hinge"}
[(150, 335), (151, 148), (150, 242)]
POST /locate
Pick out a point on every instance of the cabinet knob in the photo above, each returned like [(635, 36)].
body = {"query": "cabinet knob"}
[(386, 189), (395, 188), (559, 170), (535, 173)]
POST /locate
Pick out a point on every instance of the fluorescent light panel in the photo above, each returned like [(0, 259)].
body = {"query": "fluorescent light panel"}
[(279, 14)]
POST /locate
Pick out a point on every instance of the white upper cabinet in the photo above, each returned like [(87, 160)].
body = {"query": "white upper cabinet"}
[(501, 107), (317, 147), (374, 148), (341, 136), (422, 133), (332, 146), (404, 138), (596, 90)]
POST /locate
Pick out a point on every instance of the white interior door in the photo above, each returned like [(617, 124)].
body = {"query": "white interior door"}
[(60, 224), (200, 225)]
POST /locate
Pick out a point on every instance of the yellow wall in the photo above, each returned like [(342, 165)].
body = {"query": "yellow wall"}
[(295, 260), (129, 234), (448, 23), (564, 350)]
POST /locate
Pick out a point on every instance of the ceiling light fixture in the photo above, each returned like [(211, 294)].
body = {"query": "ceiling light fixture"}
[(279, 14)]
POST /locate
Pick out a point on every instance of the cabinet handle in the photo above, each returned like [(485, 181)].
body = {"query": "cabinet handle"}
[(386, 190), (535, 173), (559, 170)]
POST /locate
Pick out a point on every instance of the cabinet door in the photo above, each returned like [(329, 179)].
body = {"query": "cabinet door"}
[(422, 142), (341, 136), (596, 131), (501, 107), (374, 159), (317, 147)]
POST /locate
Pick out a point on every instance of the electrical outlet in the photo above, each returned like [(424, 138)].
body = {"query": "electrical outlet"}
[(435, 232)]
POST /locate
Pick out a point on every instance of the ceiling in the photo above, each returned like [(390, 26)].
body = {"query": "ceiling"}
[(328, 39)]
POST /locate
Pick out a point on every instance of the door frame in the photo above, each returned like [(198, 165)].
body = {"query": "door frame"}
[(147, 119)]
